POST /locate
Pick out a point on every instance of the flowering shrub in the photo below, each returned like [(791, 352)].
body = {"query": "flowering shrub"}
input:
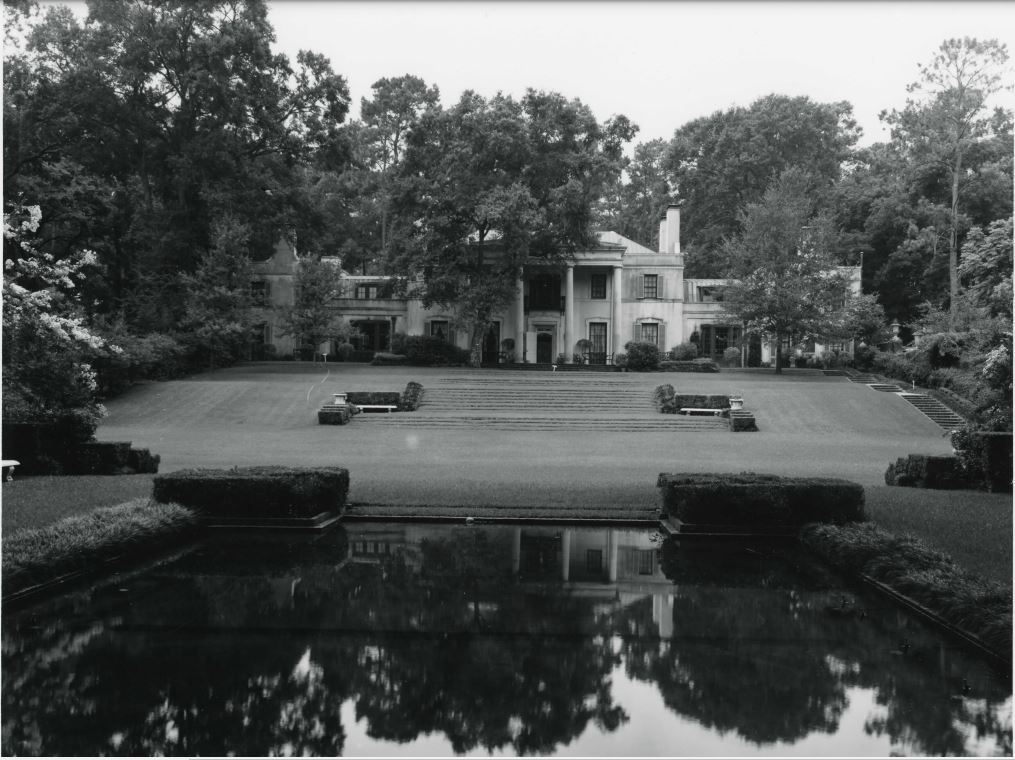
[(642, 357), (48, 350)]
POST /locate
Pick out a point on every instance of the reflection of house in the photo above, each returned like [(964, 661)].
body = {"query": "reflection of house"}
[(614, 293), (616, 567)]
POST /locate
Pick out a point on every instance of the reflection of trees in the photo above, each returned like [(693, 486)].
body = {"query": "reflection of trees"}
[(218, 653), (766, 644)]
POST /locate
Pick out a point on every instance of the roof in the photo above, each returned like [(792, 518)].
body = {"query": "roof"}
[(615, 238)]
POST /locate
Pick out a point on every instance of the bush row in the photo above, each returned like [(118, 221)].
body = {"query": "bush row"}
[(66, 446), (698, 365), (334, 414), (755, 501), (259, 492), (980, 608), (389, 398), (426, 350), (81, 543), (742, 422)]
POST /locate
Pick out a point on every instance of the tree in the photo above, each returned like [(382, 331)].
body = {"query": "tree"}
[(495, 186), (176, 113), (784, 278), (986, 268), (312, 319), (219, 309), (948, 115), (636, 202), (722, 162), (47, 347)]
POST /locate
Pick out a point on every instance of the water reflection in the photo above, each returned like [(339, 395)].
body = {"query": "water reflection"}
[(512, 639)]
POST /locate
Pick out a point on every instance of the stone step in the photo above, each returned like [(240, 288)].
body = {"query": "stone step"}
[(667, 423), (935, 410), (884, 387)]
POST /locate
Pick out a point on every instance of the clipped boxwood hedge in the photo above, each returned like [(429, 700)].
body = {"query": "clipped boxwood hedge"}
[(928, 471), (261, 492), (389, 398), (411, 397), (742, 422), (698, 365), (334, 414), (751, 500)]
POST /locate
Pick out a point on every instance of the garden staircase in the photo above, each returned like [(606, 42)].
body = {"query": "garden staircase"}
[(547, 402), (938, 412)]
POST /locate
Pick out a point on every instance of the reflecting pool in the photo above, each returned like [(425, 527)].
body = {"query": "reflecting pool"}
[(432, 640)]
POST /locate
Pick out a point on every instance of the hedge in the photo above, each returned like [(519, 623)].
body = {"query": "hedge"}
[(334, 414), (257, 492), (757, 501), (698, 365), (389, 398), (669, 401), (382, 359), (412, 396), (742, 421), (927, 471), (979, 608)]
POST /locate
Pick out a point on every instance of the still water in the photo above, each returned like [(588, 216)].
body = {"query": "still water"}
[(433, 640)]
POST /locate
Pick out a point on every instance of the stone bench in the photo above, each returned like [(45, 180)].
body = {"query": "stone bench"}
[(700, 410), (377, 407)]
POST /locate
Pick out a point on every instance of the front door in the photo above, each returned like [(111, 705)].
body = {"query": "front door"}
[(491, 344), (597, 337), (544, 348)]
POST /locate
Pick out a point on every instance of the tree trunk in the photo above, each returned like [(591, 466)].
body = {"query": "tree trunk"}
[(778, 354), (476, 345), (953, 247)]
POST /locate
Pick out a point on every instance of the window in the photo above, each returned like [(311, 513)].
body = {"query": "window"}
[(646, 561), (650, 333), (439, 329), (594, 560), (598, 287), (650, 285), (366, 291), (259, 291)]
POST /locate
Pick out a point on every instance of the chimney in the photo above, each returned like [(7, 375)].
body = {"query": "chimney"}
[(662, 235), (672, 237)]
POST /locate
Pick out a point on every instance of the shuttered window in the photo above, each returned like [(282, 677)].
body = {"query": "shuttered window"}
[(650, 286)]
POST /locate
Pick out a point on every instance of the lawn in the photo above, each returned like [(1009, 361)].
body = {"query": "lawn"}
[(265, 414)]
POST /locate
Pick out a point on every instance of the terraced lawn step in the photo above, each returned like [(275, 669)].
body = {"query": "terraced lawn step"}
[(885, 387), (660, 423), (935, 410)]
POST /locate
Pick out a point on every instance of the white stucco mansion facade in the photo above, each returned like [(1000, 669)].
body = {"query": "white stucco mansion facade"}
[(614, 293)]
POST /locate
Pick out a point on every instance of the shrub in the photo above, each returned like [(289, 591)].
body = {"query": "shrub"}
[(561, 358), (731, 357), (82, 542), (698, 365), (334, 415), (925, 471), (944, 349), (265, 492), (427, 350), (863, 357), (663, 399), (344, 351), (620, 360), (385, 359), (742, 422), (980, 608), (684, 352), (642, 357), (411, 397), (756, 501)]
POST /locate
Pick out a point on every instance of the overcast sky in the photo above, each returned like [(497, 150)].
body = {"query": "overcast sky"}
[(659, 63)]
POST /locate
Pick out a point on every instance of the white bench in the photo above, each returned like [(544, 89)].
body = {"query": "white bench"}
[(695, 410), (9, 465), (376, 407)]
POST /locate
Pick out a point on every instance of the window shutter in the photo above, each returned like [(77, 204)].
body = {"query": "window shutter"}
[(641, 286), (637, 332), (662, 337), (659, 286)]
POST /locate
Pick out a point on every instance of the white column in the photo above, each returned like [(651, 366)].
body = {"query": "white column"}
[(520, 323), (618, 341), (569, 336), (613, 544)]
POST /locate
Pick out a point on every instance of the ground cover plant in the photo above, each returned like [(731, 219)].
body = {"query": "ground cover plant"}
[(82, 542), (908, 566)]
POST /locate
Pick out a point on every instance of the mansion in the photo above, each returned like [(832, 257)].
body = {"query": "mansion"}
[(614, 293)]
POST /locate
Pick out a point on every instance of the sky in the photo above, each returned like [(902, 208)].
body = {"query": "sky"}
[(661, 64)]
